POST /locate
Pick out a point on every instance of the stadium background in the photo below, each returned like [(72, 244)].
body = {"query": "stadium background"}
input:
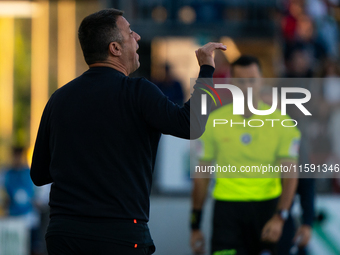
[(39, 52)]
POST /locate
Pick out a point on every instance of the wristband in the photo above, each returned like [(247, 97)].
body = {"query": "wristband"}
[(284, 214), (196, 219)]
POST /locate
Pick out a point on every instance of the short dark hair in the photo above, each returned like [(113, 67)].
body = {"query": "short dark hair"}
[(96, 32), (246, 60), (17, 150)]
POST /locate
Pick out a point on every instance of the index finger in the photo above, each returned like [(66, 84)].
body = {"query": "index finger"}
[(214, 46)]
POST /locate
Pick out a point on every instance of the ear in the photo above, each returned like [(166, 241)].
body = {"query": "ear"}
[(115, 49)]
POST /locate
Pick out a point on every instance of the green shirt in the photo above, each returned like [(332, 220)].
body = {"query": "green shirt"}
[(241, 146)]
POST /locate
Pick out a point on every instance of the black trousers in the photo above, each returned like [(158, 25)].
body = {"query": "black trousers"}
[(64, 245), (237, 228), (286, 240)]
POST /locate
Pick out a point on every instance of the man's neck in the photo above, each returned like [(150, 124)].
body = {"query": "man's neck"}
[(112, 64)]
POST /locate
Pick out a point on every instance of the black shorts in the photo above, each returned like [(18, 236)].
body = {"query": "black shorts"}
[(65, 245), (237, 228)]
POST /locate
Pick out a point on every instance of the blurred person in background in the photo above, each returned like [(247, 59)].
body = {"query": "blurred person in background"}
[(300, 36), (331, 97), (326, 26), (171, 87), (301, 235), (21, 197), (299, 63), (98, 138), (249, 213), (329, 104), (292, 9), (306, 35), (292, 235)]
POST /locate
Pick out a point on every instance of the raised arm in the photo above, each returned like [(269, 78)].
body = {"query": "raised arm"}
[(187, 121)]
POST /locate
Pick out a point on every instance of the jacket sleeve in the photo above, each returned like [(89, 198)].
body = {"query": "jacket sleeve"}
[(169, 118), (41, 159)]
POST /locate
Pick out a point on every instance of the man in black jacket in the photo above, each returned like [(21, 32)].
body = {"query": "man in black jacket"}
[(98, 139)]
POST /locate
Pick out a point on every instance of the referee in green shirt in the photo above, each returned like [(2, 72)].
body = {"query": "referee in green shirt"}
[(249, 210)]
